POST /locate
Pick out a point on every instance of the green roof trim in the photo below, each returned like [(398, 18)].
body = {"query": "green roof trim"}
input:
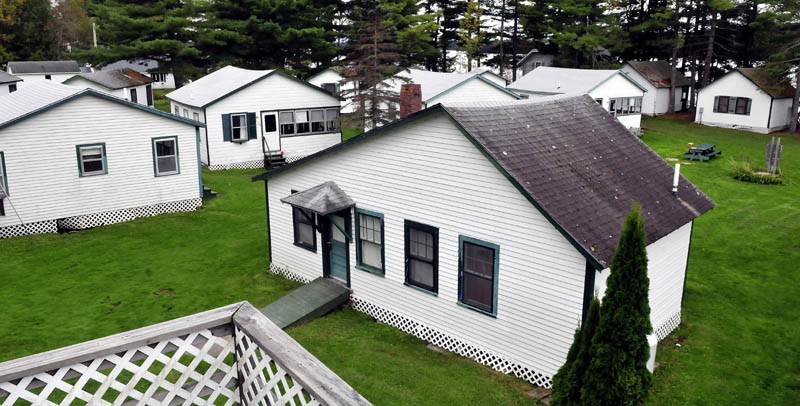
[(260, 78), (439, 108), (478, 77), (625, 75), (95, 93)]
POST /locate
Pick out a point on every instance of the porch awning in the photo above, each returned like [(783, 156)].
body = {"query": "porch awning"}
[(322, 199)]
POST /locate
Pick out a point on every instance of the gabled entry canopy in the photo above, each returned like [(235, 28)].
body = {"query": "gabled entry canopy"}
[(323, 199)]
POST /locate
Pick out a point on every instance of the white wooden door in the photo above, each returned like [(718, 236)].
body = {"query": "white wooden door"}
[(269, 130)]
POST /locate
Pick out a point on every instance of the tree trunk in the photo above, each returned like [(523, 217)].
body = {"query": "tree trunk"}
[(502, 33), (179, 79), (693, 84), (514, 42), (795, 102), (674, 61), (709, 50)]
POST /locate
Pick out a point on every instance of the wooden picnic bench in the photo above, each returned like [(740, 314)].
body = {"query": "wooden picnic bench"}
[(702, 152)]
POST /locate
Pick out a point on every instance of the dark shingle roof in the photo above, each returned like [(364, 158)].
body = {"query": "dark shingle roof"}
[(659, 73), (322, 199), (8, 78), (139, 65), (115, 79), (44, 67), (584, 168), (767, 83), (576, 163)]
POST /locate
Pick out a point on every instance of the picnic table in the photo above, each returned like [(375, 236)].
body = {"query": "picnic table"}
[(702, 152)]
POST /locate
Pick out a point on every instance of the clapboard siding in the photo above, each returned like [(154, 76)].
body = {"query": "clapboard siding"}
[(735, 84), (472, 90), (55, 77), (428, 172), (42, 166), (666, 268), (274, 93), (123, 93), (781, 114), (303, 145)]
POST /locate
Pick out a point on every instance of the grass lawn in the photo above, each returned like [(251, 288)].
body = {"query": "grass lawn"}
[(348, 133), (741, 316), (161, 102), (738, 339)]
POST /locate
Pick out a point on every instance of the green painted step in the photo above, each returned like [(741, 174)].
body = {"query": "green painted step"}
[(306, 303)]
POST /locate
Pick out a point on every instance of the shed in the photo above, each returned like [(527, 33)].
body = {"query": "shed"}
[(125, 83), (613, 89), (746, 99), (98, 159), (656, 76), (57, 71), (8, 83), (162, 77), (485, 228), (255, 117)]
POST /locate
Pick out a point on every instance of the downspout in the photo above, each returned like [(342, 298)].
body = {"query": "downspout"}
[(208, 151), (686, 270), (588, 290), (769, 117), (269, 229), (199, 161)]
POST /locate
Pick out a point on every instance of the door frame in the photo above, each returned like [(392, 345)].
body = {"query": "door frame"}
[(325, 230), (277, 128)]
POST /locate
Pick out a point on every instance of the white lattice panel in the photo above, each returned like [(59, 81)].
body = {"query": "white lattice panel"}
[(119, 216), (264, 382), (286, 273), (195, 369), (41, 227), (290, 159), (667, 326), (238, 165), (439, 339)]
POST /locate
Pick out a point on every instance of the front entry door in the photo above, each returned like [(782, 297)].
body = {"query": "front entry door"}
[(337, 249), (269, 130)]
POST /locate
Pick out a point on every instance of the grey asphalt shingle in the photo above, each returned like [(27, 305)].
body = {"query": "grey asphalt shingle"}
[(115, 79), (8, 78), (44, 67), (322, 199), (659, 73)]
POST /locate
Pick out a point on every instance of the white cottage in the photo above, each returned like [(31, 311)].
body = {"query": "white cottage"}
[(746, 99), (656, 77), (255, 115), (484, 228), (162, 79), (124, 83), (613, 89), (33, 71), (8, 83), (445, 87), (77, 158)]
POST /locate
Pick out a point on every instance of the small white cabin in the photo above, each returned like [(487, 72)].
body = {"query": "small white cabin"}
[(746, 99), (149, 67), (445, 87), (332, 80), (656, 76), (532, 60), (461, 224), (32, 71), (613, 89), (94, 159), (8, 83), (123, 83), (253, 115)]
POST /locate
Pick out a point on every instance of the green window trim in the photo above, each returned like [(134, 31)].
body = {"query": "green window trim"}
[(434, 262), (177, 170), (5, 174), (307, 218), (496, 248), (359, 263), (102, 146)]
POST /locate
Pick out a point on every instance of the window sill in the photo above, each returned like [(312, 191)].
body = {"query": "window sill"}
[(305, 247), (161, 175), (462, 304), (423, 290), (239, 141), (372, 270), (307, 134), (89, 175)]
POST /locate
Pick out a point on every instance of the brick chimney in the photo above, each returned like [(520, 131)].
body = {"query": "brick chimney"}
[(410, 99)]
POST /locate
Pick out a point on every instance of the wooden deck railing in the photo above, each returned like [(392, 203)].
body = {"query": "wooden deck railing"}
[(232, 355)]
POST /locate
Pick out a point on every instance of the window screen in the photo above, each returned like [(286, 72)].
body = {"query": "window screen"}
[(91, 160), (134, 96), (270, 125), (421, 256), (238, 127), (301, 120), (478, 265), (722, 104), (317, 120), (370, 240), (166, 156), (287, 122)]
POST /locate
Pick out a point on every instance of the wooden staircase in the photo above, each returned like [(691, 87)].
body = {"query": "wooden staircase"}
[(274, 160)]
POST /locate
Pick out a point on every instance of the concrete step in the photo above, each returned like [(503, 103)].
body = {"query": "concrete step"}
[(306, 303), (208, 193)]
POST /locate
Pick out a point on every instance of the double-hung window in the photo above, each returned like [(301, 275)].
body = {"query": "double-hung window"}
[(287, 122), (177, 111), (12, 88), (185, 113), (623, 106), (422, 256), (196, 116), (732, 105), (301, 122), (332, 119), (165, 156), (369, 241), (478, 262), (303, 222), (239, 127), (92, 159), (317, 121), (134, 96), (722, 104)]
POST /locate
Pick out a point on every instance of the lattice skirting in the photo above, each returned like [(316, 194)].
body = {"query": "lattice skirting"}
[(667, 326), (238, 165), (119, 216), (18, 230), (440, 339), (290, 159), (286, 273)]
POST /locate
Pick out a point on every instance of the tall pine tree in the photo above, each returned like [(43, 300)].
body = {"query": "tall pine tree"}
[(617, 373), (569, 379), (470, 32)]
